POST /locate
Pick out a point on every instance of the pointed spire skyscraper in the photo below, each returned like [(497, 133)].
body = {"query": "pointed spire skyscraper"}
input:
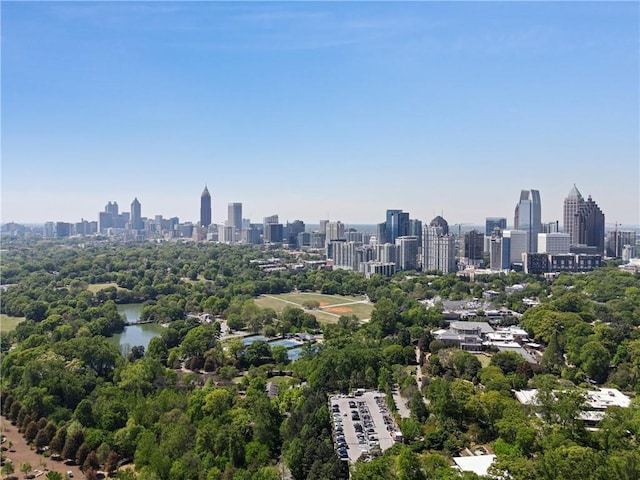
[(205, 208), (572, 204)]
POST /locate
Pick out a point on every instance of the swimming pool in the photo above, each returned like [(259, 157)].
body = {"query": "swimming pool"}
[(285, 342)]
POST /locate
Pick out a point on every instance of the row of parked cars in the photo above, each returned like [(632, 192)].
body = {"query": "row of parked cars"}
[(365, 431), (338, 428)]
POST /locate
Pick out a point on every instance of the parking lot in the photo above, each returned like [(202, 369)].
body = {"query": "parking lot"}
[(361, 422)]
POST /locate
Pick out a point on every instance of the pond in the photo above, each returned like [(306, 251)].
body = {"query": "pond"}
[(131, 311), (134, 335)]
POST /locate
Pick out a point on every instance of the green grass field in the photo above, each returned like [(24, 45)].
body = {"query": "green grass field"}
[(96, 287), (484, 359), (331, 306), (7, 323)]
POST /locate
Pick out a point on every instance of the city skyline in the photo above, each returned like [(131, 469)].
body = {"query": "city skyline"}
[(318, 110)]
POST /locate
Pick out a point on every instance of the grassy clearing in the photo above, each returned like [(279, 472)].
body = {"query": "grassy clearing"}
[(484, 359), (331, 306), (96, 287), (8, 324)]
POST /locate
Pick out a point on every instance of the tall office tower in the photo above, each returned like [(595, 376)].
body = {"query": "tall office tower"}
[(527, 217), (472, 248), (251, 234), (344, 255), (415, 229), (440, 224), (572, 204), (387, 253), (63, 229), (499, 251), (234, 216), (105, 220), (49, 230), (556, 243), (364, 254), (335, 231), (136, 215), (268, 220), (491, 223), (616, 240), (438, 247), (109, 217), (205, 208), (293, 230), (112, 208), (317, 240), (381, 233), (226, 234), (589, 223), (407, 253), (322, 228), (519, 244), (397, 225), (303, 240), (273, 233), (352, 235)]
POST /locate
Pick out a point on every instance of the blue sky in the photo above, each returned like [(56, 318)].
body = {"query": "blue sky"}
[(319, 110)]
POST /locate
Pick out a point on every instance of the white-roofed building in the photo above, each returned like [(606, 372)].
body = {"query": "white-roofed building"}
[(478, 464)]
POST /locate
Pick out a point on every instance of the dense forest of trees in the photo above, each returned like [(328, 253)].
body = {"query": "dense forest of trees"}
[(193, 406)]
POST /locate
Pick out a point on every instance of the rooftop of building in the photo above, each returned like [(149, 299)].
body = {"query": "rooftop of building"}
[(478, 464)]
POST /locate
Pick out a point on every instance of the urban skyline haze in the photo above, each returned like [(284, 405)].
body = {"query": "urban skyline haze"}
[(319, 110)]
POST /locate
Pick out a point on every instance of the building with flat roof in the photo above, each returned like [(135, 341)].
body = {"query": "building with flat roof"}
[(518, 244), (557, 243), (478, 464)]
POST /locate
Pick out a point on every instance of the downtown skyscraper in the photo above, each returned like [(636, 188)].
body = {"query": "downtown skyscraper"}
[(528, 217), (136, 215), (589, 224), (572, 204), (205, 208)]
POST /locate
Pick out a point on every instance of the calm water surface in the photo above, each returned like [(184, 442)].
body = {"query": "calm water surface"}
[(134, 335)]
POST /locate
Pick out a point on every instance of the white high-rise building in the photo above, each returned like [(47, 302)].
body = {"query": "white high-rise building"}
[(345, 255), (387, 253), (572, 204), (518, 244), (335, 231), (438, 250), (556, 243)]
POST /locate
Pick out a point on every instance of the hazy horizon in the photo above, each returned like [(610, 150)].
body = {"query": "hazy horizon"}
[(319, 110)]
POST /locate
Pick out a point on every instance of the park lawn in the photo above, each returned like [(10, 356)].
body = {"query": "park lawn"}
[(96, 287), (8, 324), (331, 306), (484, 359)]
